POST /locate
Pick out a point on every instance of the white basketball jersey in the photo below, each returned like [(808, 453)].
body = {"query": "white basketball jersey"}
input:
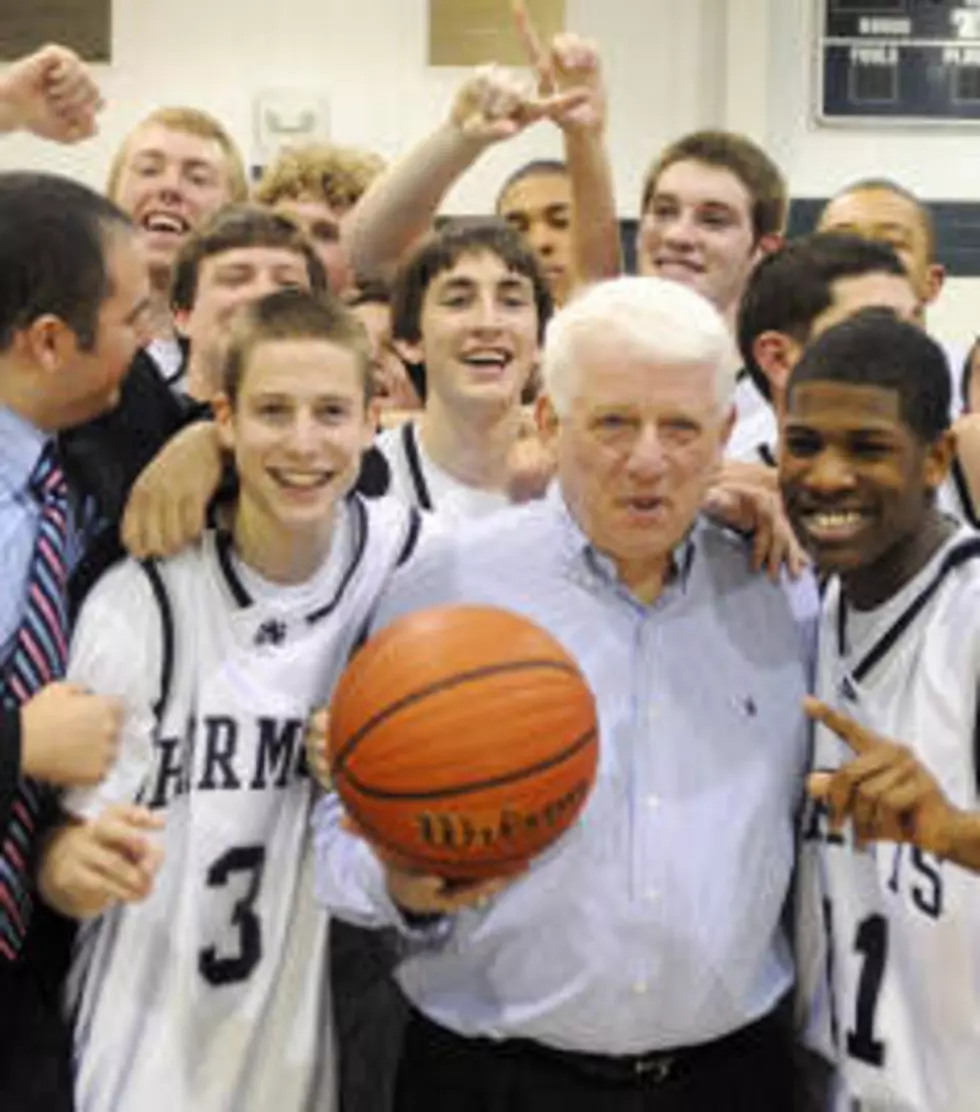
[(903, 927), (418, 482), (212, 995)]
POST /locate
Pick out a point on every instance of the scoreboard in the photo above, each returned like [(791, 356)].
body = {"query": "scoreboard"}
[(899, 61)]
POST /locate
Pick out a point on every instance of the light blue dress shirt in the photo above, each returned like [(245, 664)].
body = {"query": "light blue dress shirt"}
[(656, 922), (21, 445)]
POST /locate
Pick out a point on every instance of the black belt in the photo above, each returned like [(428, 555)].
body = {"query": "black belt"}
[(653, 1068)]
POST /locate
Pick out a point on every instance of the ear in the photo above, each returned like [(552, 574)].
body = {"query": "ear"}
[(547, 420), (770, 242), (224, 421), (182, 318), (939, 459), (935, 279), (409, 351), (776, 354), (48, 343)]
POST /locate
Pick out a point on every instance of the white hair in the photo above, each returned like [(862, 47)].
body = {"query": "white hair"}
[(663, 320)]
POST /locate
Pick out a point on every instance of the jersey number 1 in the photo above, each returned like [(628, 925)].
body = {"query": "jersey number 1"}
[(871, 942), (226, 969)]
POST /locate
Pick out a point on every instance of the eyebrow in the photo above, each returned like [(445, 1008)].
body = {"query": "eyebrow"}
[(709, 202), (878, 225), (287, 396), (228, 268), (156, 154), (807, 424), (891, 226), (464, 285)]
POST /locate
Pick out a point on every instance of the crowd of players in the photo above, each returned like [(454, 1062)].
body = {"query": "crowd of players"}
[(305, 411)]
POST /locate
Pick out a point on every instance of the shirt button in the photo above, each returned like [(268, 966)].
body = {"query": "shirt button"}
[(653, 802), (640, 987), (652, 895)]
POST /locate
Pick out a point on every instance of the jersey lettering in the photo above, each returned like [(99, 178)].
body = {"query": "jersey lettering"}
[(816, 824), (926, 884), (251, 754), (220, 742), (278, 745)]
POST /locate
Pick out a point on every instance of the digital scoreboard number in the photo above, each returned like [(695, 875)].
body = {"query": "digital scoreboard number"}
[(899, 61)]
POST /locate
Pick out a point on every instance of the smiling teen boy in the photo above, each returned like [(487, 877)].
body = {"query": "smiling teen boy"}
[(202, 980), (865, 446), (470, 305)]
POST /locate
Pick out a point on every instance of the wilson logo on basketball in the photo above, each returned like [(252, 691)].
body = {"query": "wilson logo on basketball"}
[(463, 741), (461, 830)]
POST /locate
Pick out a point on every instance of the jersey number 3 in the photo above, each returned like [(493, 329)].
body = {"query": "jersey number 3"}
[(226, 969)]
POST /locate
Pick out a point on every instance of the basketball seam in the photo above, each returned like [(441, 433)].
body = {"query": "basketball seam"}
[(447, 684), (482, 785)]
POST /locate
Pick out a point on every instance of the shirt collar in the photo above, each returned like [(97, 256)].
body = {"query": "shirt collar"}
[(582, 552), (21, 445)]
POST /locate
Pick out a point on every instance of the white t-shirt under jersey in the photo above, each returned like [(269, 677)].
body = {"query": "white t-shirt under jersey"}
[(170, 360), (212, 994), (902, 1018), (417, 481), (754, 439)]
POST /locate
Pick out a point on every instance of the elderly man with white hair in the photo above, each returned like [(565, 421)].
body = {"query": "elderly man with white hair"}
[(642, 963)]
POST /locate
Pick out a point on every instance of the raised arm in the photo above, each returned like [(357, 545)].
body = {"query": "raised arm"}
[(52, 94), (967, 430), (492, 105), (573, 63)]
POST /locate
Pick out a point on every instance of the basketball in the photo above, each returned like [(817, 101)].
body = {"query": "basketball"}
[(463, 742)]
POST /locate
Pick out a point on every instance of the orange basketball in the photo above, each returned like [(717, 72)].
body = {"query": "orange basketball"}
[(462, 741)]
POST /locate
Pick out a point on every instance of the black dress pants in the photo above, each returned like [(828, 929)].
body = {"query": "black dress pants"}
[(748, 1071), (35, 1045), (369, 1015)]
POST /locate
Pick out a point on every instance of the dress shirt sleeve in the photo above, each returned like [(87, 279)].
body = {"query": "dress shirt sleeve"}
[(803, 595), (427, 579), (117, 650), (350, 880)]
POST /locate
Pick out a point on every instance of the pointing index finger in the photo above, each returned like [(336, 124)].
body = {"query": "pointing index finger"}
[(531, 41), (860, 739)]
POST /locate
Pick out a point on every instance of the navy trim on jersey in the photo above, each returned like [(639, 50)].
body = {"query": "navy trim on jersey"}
[(959, 555), (414, 461), (969, 550), (360, 544), (411, 537), (963, 493), (167, 626), (222, 547), (765, 454), (411, 541)]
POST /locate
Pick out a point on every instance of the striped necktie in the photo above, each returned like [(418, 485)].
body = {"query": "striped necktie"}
[(38, 657)]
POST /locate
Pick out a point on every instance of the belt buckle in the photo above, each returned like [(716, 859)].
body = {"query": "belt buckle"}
[(657, 1069)]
